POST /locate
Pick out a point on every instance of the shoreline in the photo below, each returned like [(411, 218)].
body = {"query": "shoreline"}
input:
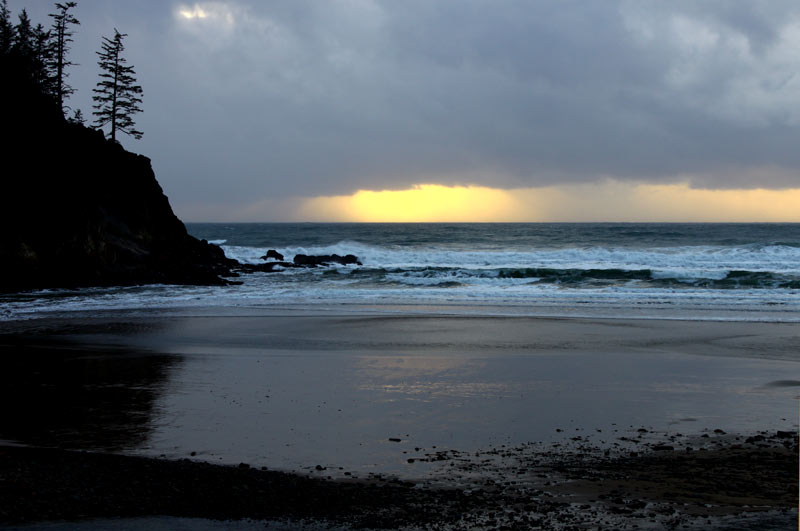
[(389, 309), (252, 298)]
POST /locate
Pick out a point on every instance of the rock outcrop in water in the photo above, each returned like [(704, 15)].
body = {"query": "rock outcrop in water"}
[(272, 253), (79, 210), (300, 261), (325, 259)]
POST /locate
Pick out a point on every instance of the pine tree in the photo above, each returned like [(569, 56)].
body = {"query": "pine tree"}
[(117, 95), (25, 53), (42, 56), (6, 29), (62, 37), (77, 117), (23, 44)]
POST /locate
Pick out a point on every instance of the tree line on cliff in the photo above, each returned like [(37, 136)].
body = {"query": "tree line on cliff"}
[(76, 208), (37, 60)]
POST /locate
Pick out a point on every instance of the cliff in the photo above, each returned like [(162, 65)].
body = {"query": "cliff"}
[(79, 210)]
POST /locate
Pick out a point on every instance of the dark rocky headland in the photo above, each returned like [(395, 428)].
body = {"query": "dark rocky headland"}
[(79, 210)]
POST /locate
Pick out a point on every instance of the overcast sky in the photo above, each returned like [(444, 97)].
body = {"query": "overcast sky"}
[(249, 101)]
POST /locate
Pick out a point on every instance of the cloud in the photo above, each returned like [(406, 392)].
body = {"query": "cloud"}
[(251, 101), (192, 12)]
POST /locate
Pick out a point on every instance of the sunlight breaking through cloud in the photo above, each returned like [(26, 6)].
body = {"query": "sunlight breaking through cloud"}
[(216, 11), (193, 12), (593, 202), (424, 202)]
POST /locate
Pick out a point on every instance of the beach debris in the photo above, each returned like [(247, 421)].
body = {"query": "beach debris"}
[(509, 486)]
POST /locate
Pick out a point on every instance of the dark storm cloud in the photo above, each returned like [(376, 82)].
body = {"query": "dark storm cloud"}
[(250, 100)]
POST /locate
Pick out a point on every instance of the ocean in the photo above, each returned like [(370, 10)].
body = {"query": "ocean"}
[(733, 272), (686, 336)]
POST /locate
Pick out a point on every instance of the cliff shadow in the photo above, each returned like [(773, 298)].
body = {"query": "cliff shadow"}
[(61, 395)]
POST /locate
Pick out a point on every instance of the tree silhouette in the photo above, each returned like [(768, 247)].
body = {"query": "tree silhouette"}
[(29, 50), (6, 29), (23, 43), (58, 62), (42, 57), (25, 80), (117, 95), (76, 118)]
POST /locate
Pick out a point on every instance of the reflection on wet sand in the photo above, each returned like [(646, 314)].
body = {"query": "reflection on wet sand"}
[(426, 378), (293, 392), (55, 395)]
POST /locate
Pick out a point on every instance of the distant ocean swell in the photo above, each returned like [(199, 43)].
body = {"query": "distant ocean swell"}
[(743, 272), (770, 266)]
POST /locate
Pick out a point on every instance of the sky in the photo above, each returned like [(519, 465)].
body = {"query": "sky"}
[(460, 110)]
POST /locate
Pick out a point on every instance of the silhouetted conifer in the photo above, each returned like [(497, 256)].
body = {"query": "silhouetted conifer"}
[(23, 44), (117, 95), (6, 29), (26, 58), (61, 38), (77, 117), (29, 51), (42, 56)]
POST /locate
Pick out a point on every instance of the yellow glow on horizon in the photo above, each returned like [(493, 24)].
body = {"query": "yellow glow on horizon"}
[(602, 201), (424, 202)]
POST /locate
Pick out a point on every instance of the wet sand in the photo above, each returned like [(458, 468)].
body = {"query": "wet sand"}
[(435, 401)]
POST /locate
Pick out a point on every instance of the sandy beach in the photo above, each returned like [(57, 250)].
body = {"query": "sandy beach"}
[(432, 401)]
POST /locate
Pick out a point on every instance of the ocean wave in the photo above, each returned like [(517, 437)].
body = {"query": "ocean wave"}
[(578, 278), (714, 267), (668, 262), (542, 270), (748, 304)]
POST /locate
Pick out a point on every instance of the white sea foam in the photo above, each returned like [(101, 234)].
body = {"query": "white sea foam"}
[(246, 255), (670, 262), (446, 275), (521, 296)]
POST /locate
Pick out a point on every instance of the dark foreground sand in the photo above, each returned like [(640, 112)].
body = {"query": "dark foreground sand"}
[(726, 482), (407, 403)]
